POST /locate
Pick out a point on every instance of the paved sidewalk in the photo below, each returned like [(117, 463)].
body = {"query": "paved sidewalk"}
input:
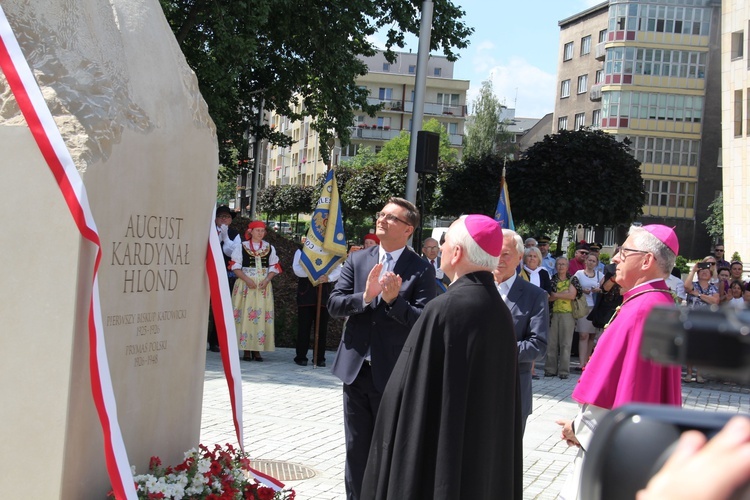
[(293, 414)]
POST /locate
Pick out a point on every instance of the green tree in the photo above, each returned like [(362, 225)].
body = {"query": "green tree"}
[(397, 149), (576, 177), (297, 58), (226, 188), (484, 132), (472, 186), (267, 200), (365, 156), (715, 221)]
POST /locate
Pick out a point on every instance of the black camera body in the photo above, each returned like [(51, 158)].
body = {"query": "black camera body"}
[(632, 443)]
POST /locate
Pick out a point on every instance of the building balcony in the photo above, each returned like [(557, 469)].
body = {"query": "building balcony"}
[(595, 92), (430, 108), (374, 133), (456, 139), (600, 51)]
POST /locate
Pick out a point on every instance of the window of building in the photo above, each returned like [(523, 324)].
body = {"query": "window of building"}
[(565, 89), (452, 128), (738, 44), (350, 149), (412, 69), (666, 151), (438, 71), (568, 51), (385, 93), (583, 82), (596, 118), (562, 123), (654, 106), (580, 121), (690, 17), (386, 66), (676, 194), (738, 107), (599, 76), (747, 113), (602, 36), (585, 45), (448, 99)]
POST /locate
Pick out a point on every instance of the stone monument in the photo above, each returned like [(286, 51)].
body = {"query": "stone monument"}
[(131, 114)]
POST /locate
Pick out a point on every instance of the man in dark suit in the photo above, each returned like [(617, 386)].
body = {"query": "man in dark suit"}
[(430, 254), (529, 307), (383, 291), (229, 239)]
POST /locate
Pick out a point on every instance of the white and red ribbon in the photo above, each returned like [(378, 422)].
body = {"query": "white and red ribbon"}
[(221, 306), (44, 130)]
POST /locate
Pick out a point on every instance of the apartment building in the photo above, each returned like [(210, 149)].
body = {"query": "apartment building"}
[(390, 85), (735, 84), (580, 72), (656, 70)]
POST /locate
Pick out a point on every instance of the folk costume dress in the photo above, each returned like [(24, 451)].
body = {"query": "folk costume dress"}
[(253, 307)]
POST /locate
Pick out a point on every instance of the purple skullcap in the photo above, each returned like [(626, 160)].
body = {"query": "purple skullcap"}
[(486, 232), (666, 235)]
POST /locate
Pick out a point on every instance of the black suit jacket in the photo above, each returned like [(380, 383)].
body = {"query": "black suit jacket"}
[(445, 281), (377, 327), (529, 306)]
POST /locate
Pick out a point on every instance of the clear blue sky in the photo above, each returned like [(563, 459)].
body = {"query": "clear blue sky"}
[(516, 45)]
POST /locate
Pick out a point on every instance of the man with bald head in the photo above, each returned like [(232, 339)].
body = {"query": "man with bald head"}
[(449, 423), (529, 306)]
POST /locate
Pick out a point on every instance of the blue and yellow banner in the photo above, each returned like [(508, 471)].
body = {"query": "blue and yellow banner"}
[(502, 212), (325, 246)]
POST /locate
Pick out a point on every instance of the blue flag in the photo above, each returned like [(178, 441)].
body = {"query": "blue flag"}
[(325, 246), (502, 212)]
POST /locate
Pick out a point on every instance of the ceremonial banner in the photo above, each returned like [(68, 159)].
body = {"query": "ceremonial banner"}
[(502, 213), (325, 246)]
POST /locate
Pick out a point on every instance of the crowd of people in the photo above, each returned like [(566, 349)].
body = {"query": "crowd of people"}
[(422, 336)]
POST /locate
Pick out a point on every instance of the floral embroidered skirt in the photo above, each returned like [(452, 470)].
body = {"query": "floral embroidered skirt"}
[(253, 316)]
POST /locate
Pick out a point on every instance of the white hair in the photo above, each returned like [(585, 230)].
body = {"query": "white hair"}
[(528, 251), (474, 253), (516, 238)]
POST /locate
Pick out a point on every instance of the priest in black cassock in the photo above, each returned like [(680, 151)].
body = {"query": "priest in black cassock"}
[(449, 423)]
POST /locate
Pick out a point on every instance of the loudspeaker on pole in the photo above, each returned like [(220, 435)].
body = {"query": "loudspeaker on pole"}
[(428, 145)]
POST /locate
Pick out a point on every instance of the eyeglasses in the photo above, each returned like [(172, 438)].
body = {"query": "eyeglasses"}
[(584, 252), (625, 251), (429, 248), (390, 218)]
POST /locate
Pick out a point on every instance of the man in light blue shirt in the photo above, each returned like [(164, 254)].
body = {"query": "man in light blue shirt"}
[(548, 261)]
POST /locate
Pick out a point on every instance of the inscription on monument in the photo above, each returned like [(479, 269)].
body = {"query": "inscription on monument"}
[(146, 328), (151, 254)]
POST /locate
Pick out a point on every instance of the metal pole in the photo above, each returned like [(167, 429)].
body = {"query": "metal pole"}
[(420, 84), (256, 165)]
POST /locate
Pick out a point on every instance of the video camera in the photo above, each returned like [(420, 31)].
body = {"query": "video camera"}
[(633, 442)]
